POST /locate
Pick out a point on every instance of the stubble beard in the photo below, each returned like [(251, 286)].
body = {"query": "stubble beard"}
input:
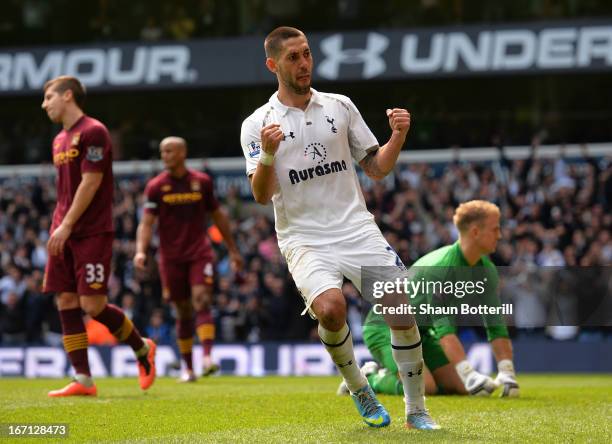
[(300, 90), (295, 88)]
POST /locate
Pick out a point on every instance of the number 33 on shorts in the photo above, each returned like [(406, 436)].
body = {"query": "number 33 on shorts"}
[(94, 276)]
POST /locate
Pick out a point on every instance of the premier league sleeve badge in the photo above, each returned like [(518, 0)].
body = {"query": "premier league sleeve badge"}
[(95, 153)]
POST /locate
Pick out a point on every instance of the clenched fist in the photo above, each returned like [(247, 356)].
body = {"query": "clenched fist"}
[(399, 120)]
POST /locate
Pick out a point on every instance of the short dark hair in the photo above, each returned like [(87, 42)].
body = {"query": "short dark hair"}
[(62, 84), (275, 39)]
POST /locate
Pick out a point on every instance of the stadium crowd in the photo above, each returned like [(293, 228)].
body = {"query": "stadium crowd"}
[(555, 212), (38, 21)]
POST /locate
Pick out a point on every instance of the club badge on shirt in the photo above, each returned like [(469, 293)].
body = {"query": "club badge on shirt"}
[(95, 153)]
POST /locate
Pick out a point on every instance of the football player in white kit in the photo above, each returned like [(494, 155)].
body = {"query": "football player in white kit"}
[(299, 149)]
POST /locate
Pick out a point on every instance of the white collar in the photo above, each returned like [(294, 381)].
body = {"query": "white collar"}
[(282, 109)]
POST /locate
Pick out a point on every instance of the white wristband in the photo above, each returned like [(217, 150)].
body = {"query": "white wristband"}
[(266, 159)]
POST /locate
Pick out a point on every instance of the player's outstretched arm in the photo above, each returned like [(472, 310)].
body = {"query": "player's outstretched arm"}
[(221, 220), (452, 348), (263, 183), (144, 233), (502, 348), (381, 162), (85, 193)]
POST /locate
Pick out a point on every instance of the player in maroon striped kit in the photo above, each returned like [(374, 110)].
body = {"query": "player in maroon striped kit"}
[(181, 199), (81, 236)]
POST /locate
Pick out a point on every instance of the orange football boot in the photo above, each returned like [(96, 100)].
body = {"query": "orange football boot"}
[(75, 388), (146, 366)]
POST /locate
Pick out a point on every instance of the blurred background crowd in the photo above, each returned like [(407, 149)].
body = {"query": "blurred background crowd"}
[(555, 212), (32, 22)]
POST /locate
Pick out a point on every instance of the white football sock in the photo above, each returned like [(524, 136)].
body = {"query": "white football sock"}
[(83, 379), (339, 345), (408, 354)]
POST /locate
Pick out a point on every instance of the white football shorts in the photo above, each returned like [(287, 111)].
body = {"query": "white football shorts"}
[(318, 268)]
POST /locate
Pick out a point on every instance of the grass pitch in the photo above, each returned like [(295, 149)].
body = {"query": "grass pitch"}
[(553, 408)]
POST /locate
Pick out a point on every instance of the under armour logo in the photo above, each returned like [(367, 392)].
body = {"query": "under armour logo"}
[(411, 374), (288, 135), (345, 365), (370, 57), (331, 122)]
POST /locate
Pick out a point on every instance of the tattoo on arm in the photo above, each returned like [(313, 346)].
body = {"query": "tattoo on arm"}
[(370, 166)]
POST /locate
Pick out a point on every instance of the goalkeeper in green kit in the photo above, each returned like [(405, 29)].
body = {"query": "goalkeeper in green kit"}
[(449, 371)]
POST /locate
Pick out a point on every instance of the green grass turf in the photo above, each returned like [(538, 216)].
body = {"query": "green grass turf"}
[(553, 408)]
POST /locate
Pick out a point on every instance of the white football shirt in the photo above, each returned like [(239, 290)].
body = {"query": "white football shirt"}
[(318, 198)]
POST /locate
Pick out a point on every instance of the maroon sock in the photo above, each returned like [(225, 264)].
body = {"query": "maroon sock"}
[(75, 339), (120, 326), (205, 327), (184, 335)]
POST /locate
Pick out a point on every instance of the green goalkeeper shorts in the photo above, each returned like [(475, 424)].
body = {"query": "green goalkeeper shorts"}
[(377, 338)]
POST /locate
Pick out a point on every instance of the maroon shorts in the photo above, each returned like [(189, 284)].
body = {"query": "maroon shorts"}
[(83, 267), (178, 277)]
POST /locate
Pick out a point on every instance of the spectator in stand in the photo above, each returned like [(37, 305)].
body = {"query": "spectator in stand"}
[(12, 283), (12, 315), (151, 31), (158, 329), (180, 26)]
